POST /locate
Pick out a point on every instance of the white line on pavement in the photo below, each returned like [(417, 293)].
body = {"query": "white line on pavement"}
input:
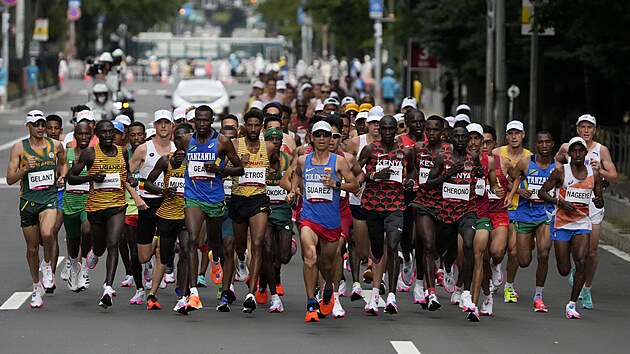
[(15, 301), (617, 252), (161, 92), (141, 114), (142, 92), (404, 347), (9, 144), (3, 183)]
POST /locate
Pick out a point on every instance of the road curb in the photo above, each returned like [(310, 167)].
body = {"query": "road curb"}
[(611, 235), (47, 95)]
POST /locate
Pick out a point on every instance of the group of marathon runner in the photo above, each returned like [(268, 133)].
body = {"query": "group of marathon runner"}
[(421, 201)]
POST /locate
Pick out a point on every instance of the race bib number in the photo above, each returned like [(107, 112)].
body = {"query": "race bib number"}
[(159, 182), (83, 188), (197, 171), (456, 191), (480, 187), (395, 173), (534, 188), (111, 183), (317, 192), (177, 183), (253, 177), (227, 187), (578, 196), (41, 180), (491, 194), (423, 175), (276, 194)]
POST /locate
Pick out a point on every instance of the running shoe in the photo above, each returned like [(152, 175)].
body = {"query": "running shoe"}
[(346, 262), (456, 297), (493, 289), (178, 292), (249, 305), (571, 312), (163, 284), (367, 276), (382, 289), (467, 304), (497, 275), (138, 298), (127, 281), (408, 271), (65, 272), (571, 276), (357, 292), (439, 277), (169, 277), (311, 311), (48, 277), (372, 306), (449, 281), (73, 278), (180, 306), (106, 299), (84, 277), (342, 288), (418, 293), (294, 247), (276, 304), (401, 286), (216, 273), (486, 306), (194, 303), (262, 296), (390, 306), (327, 303), (241, 271), (587, 299), (37, 301), (231, 294), (338, 311), (201, 281), (473, 316), (432, 303), (91, 260), (152, 302), (223, 304), (539, 306), (509, 295), (148, 270)]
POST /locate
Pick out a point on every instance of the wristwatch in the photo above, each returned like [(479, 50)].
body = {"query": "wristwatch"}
[(338, 184)]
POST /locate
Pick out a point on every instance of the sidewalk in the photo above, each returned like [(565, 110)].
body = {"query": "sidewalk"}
[(617, 211), (46, 95)]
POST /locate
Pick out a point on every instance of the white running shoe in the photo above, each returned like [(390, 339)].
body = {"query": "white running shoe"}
[(169, 277), (401, 286), (127, 281), (408, 271), (241, 271), (84, 277), (65, 272), (486, 306), (107, 298), (342, 288), (74, 278), (433, 303), (357, 292), (338, 311), (456, 297), (449, 281), (148, 284), (138, 297), (390, 305), (418, 293), (148, 270), (48, 277), (91, 260), (276, 304), (37, 301), (497, 275), (180, 306), (163, 283), (467, 304), (572, 312), (372, 306)]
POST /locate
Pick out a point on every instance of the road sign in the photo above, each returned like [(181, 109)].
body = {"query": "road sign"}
[(8, 2), (376, 9), (74, 3), (74, 13), (419, 57), (40, 33), (527, 16), (513, 91)]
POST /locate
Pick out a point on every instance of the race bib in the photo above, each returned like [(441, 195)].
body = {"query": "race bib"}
[(41, 180), (395, 173), (491, 194), (534, 188), (227, 187), (456, 191), (111, 183), (177, 183), (276, 194), (480, 187), (578, 196), (83, 188), (317, 192), (159, 182), (423, 175), (197, 171), (253, 177)]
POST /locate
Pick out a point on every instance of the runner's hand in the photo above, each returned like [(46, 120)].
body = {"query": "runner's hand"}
[(383, 174), (595, 165), (328, 181), (455, 169), (599, 202), (524, 193), (177, 158), (409, 184), (566, 205), (97, 177), (478, 171), (211, 167), (141, 204), (245, 158), (132, 181), (169, 192), (61, 181)]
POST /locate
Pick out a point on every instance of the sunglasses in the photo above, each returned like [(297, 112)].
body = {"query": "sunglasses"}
[(336, 135), (321, 133), (38, 124)]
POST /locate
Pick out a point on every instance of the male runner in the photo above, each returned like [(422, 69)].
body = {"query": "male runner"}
[(39, 163), (578, 185), (54, 130), (320, 218), (598, 157)]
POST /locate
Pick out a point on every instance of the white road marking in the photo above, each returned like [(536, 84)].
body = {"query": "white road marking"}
[(9, 144), (161, 92), (83, 92), (617, 252), (404, 347), (3, 183), (141, 114), (15, 122), (237, 93), (142, 92), (18, 298), (368, 293)]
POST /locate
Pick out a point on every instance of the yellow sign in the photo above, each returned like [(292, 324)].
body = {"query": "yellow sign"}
[(40, 33)]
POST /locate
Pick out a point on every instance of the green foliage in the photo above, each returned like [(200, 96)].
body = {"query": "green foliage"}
[(140, 15), (281, 18)]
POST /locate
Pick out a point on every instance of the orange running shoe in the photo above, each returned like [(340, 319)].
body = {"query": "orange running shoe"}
[(311, 316), (262, 297), (216, 273), (326, 307), (152, 303), (194, 303), (279, 289)]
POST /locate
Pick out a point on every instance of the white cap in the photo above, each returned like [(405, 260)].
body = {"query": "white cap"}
[(281, 85), (190, 115), (106, 57), (319, 108), (100, 88), (334, 94), (118, 53), (179, 113), (163, 114), (361, 115), (462, 107), (321, 125), (586, 118), (347, 100), (375, 114), (399, 117), (331, 100), (150, 132), (462, 117), (256, 104), (258, 85), (87, 115), (579, 140), (450, 121), (34, 115), (125, 120), (305, 86), (475, 127), (409, 102), (515, 124)]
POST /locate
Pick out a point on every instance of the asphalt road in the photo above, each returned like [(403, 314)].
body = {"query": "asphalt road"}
[(72, 323)]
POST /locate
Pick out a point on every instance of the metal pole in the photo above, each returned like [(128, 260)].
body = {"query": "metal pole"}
[(378, 41), (488, 118), (19, 30), (5, 38), (501, 81), (533, 83)]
